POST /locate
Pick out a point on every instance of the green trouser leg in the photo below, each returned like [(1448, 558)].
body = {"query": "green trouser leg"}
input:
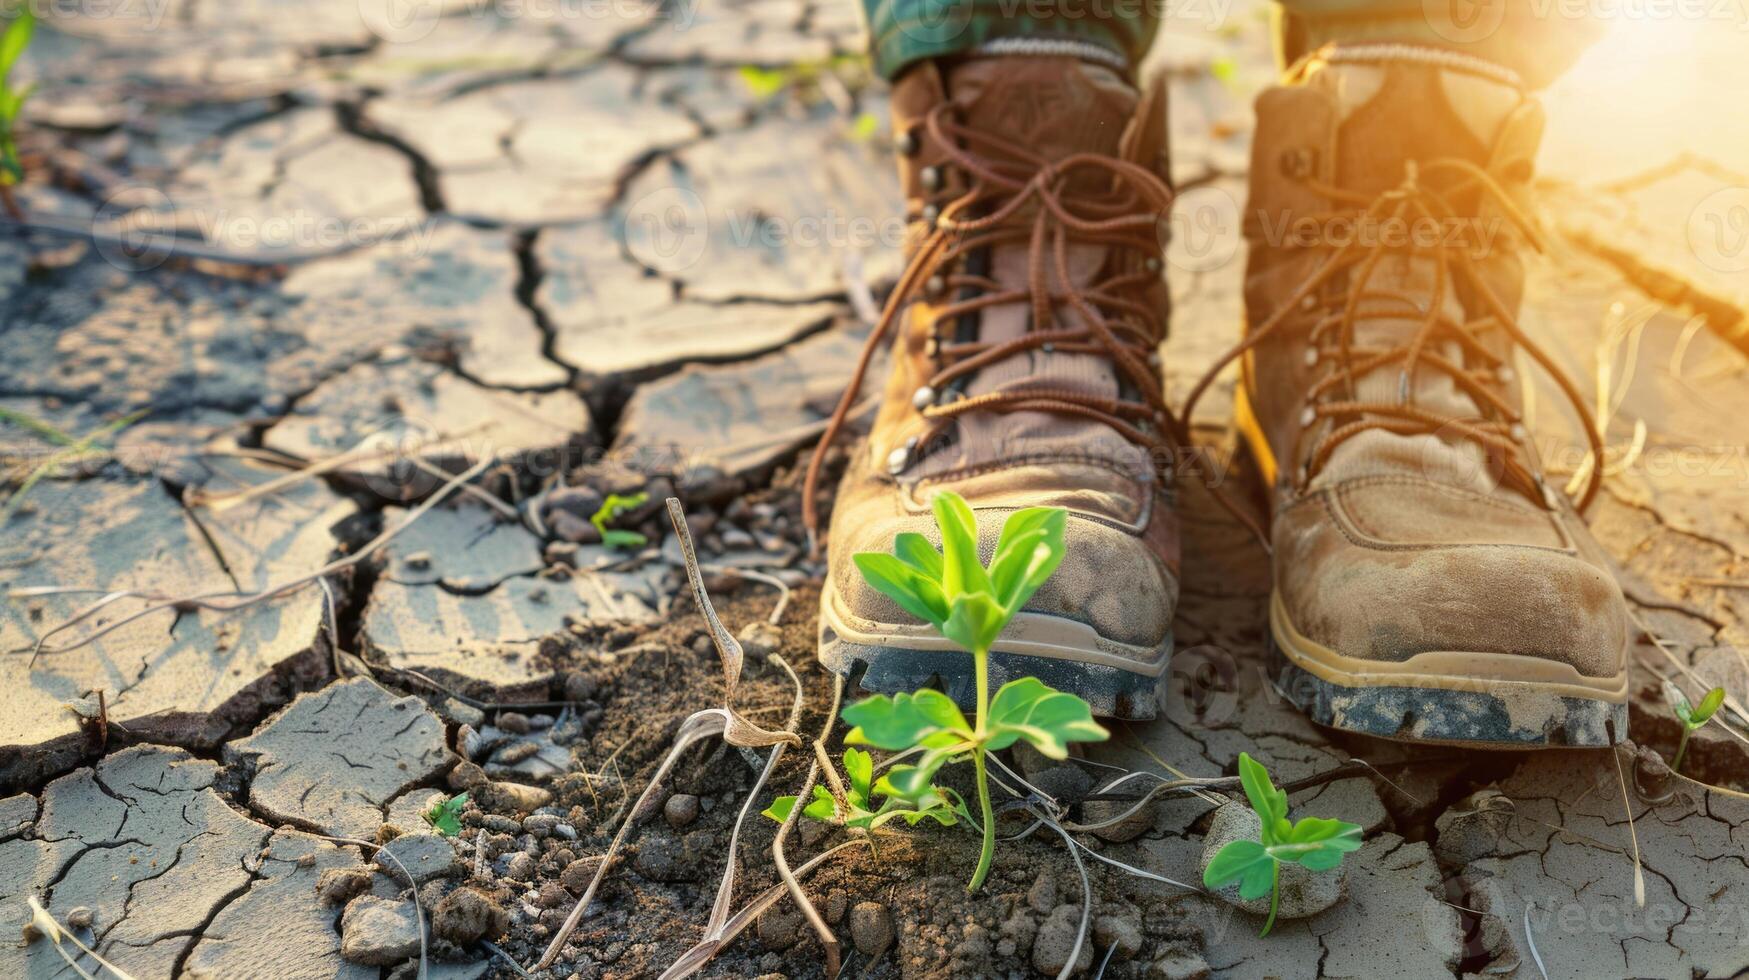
[(1527, 36), (902, 32), (1518, 34)]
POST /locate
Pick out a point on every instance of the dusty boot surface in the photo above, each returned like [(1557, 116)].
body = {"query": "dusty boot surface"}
[(1429, 584), (1024, 374)]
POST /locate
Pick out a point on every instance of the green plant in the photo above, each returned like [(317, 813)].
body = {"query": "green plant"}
[(445, 816), (13, 41), (1315, 842), (611, 508), (857, 809), (1693, 718), (970, 605)]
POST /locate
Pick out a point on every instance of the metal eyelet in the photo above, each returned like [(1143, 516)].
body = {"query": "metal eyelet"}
[(930, 214), (1311, 357), (900, 457), (1152, 263), (906, 142), (1308, 415), (922, 398), (934, 287), (930, 178)]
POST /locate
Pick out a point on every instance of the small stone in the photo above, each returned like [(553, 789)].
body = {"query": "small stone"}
[(426, 857), (1304, 892), (467, 915), (80, 918), (837, 903), (337, 886), (521, 867), (574, 529), (516, 796), (680, 810), (581, 502), (1056, 939), (455, 711), (540, 825), (1119, 931), (1042, 896), (703, 646), (871, 927), (580, 687), (466, 776), (760, 639), (551, 896), (1179, 961), (1067, 784), (779, 929), (577, 874), (378, 931), (514, 722)]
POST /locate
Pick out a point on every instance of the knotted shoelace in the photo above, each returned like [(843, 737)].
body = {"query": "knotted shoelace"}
[(1116, 321), (1499, 429)]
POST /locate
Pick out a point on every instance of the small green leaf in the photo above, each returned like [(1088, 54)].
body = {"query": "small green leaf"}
[(1319, 843), (915, 550), (975, 622), (914, 591), (1027, 710), (859, 766), (1709, 706), (903, 721), (445, 816), (616, 538), (1269, 803), (1027, 553), (780, 808), (962, 572), (915, 784), (1245, 861), (15, 40)]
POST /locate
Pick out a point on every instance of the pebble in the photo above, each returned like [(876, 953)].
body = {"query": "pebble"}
[(80, 918), (871, 927), (515, 796), (467, 915), (378, 931), (578, 873), (521, 867), (461, 714), (680, 810), (540, 824), (500, 824), (1056, 938), (574, 529), (1180, 962), (760, 639), (580, 687), (581, 502), (1119, 931), (426, 857), (337, 886), (837, 902), (1042, 896), (1127, 829), (551, 896), (514, 722)]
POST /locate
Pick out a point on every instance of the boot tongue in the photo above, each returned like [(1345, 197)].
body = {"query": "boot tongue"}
[(1053, 106)]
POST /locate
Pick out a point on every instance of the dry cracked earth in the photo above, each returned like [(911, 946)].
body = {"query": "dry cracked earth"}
[(574, 250)]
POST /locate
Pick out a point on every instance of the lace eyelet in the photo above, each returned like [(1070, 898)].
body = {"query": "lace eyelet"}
[(930, 178), (934, 287), (922, 398), (1307, 416), (906, 142)]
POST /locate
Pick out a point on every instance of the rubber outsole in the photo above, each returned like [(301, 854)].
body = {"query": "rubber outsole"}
[(1472, 712)]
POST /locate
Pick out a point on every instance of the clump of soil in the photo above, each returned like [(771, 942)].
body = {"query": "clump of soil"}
[(653, 905)]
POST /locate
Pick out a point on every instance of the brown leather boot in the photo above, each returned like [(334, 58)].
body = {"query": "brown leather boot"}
[(1429, 585), (1025, 374)]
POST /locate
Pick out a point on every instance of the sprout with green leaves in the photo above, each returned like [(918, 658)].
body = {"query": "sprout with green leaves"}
[(857, 808), (610, 509), (445, 816), (1693, 718), (1315, 842), (970, 605)]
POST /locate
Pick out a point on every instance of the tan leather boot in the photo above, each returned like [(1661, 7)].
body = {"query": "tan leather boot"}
[(1024, 374), (1429, 585)]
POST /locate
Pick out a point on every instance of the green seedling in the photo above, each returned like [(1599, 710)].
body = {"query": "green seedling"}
[(445, 816), (13, 41), (1315, 842), (857, 809), (1693, 718), (610, 508), (970, 605)]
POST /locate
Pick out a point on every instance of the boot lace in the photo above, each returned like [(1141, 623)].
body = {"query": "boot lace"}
[(1017, 196), (1480, 373)]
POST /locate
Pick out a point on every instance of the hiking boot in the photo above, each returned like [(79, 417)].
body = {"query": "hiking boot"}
[(1025, 373), (1429, 584)]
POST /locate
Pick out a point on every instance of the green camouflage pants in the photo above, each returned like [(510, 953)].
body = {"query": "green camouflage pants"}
[(1537, 39)]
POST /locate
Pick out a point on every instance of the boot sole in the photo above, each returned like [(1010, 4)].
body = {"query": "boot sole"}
[(1117, 680), (1497, 700)]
